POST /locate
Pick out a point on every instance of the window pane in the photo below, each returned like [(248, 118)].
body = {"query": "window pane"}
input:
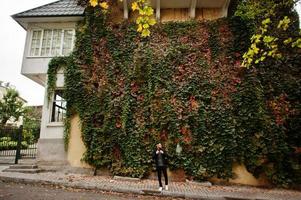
[(59, 107), (35, 43), (46, 42), (58, 95), (56, 42), (67, 44)]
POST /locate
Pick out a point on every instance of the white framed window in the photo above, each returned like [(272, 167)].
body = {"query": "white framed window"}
[(67, 42), (46, 42), (51, 42), (58, 108), (35, 42)]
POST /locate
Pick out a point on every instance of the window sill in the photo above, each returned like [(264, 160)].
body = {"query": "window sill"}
[(36, 57), (55, 124)]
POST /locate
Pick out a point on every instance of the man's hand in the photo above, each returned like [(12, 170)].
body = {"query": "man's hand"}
[(157, 152)]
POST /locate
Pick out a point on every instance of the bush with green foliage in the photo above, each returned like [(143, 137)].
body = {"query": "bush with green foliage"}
[(31, 124), (11, 106), (7, 139), (7, 144)]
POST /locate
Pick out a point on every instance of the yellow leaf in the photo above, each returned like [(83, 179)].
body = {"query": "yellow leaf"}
[(284, 23), (256, 38), (93, 2), (139, 28), (139, 20), (141, 12), (245, 55), (254, 48), (266, 21), (148, 11), (135, 6), (145, 26), (287, 41), (270, 53), (151, 21), (269, 39), (145, 33), (297, 43), (104, 5)]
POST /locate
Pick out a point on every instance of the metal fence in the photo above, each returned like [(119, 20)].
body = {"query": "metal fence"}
[(17, 143)]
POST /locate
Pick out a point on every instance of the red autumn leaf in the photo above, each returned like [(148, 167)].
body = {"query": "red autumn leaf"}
[(186, 134), (193, 103)]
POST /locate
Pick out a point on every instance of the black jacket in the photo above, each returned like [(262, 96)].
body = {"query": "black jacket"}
[(164, 157)]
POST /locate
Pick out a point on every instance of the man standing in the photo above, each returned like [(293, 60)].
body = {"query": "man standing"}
[(160, 158)]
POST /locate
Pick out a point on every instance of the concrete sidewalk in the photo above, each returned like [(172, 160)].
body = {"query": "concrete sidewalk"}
[(176, 189)]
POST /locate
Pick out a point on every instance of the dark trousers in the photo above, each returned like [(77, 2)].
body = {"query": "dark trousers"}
[(160, 170)]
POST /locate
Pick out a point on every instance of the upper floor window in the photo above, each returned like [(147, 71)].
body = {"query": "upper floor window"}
[(51, 42)]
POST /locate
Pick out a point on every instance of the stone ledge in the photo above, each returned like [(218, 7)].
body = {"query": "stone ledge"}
[(27, 171), (205, 183), (125, 178)]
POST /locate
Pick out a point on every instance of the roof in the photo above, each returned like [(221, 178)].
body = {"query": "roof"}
[(54, 9)]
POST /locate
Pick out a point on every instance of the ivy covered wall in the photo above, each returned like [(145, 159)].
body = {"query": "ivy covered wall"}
[(184, 87)]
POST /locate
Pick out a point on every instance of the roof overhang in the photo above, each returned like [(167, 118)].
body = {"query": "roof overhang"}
[(23, 21)]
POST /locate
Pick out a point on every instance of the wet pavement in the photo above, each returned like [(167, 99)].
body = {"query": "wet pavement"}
[(14, 191), (186, 190)]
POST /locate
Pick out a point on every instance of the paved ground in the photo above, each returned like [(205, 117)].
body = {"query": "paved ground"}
[(177, 189), (13, 191)]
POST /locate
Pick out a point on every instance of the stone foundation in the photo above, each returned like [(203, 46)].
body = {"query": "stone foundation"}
[(51, 152)]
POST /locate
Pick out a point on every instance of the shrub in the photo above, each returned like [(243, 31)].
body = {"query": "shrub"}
[(5, 139), (12, 145)]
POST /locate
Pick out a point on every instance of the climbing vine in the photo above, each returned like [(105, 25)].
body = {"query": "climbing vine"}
[(266, 45), (276, 29), (183, 86), (55, 64)]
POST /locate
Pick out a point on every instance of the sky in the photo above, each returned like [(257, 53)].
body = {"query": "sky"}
[(12, 41)]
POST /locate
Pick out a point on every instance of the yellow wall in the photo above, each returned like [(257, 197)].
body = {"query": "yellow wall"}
[(246, 178), (76, 147), (242, 176)]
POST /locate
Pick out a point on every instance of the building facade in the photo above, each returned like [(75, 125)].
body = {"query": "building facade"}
[(51, 32)]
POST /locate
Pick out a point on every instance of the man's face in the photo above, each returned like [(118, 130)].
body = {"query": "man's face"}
[(159, 146)]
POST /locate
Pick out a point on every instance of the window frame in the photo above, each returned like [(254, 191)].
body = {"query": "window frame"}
[(43, 30), (51, 106), (41, 42), (30, 42)]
